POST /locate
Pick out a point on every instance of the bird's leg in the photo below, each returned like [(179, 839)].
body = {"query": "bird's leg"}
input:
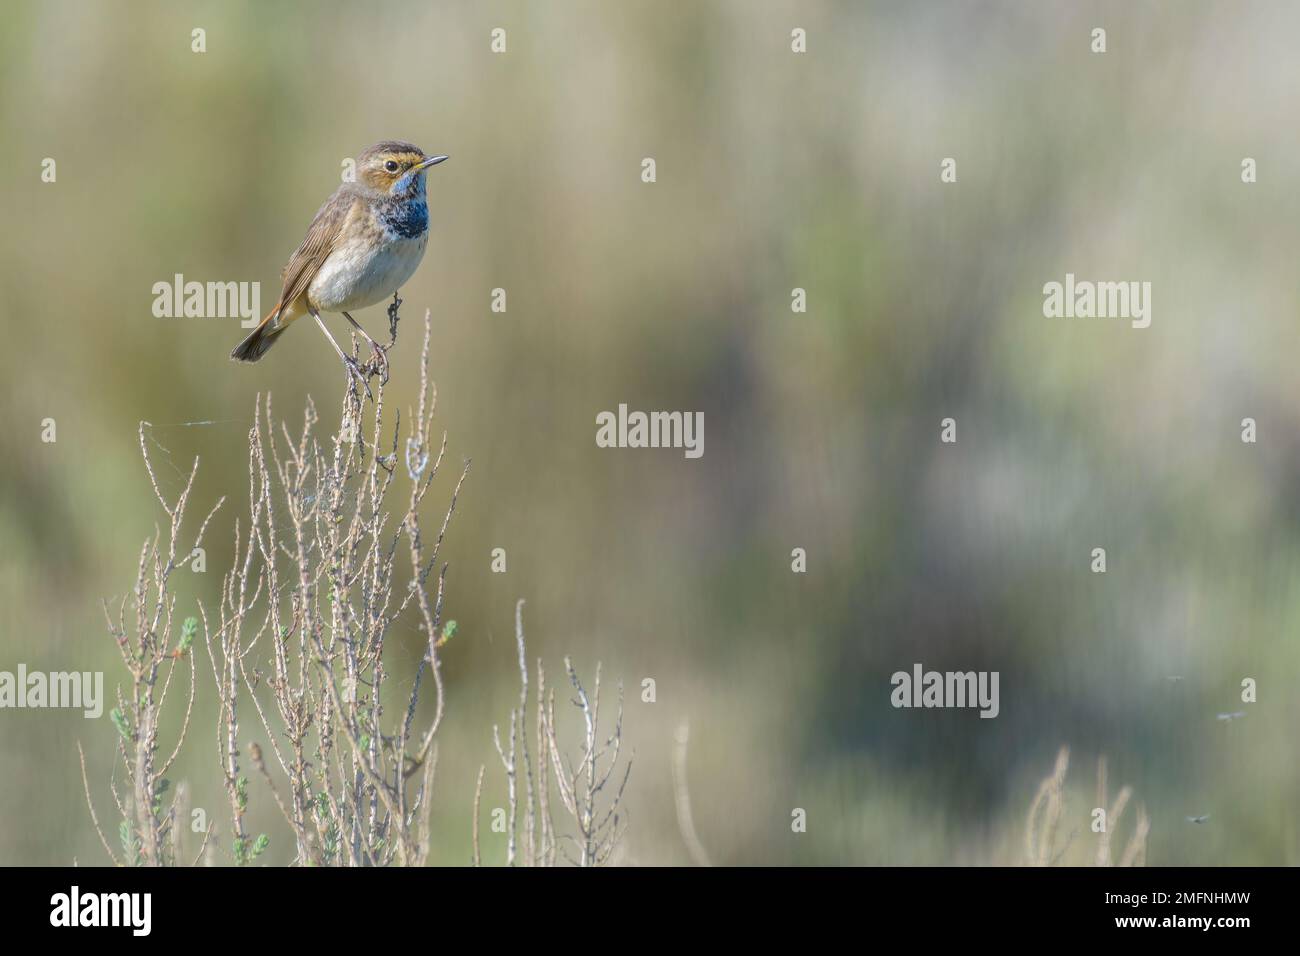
[(354, 369), (380, 355)]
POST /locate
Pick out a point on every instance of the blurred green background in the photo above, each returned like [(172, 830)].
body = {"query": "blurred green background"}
[(775, 171)]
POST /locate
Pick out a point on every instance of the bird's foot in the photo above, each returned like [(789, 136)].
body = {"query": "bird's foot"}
[(357, 375), (380, 364)]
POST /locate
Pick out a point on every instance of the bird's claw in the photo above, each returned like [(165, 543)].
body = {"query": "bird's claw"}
[(358, 374), (381, 363)]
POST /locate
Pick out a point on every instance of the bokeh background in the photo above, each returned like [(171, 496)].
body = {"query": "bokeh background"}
[(775, 171)]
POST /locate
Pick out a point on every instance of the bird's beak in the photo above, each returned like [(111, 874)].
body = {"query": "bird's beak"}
[(430, 161)]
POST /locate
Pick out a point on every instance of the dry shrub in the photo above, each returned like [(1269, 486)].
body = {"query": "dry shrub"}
[(322, 575), (590, 789)]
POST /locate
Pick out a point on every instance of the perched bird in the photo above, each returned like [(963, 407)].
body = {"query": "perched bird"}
[(364, 243)]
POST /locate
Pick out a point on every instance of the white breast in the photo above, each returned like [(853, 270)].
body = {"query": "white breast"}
[(359, 273)]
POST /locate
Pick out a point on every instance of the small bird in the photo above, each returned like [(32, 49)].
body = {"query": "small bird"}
[(1201, 819), (1235, 715), (365, 242)]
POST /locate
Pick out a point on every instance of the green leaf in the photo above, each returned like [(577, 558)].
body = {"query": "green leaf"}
[(188, 630), (448, 631)]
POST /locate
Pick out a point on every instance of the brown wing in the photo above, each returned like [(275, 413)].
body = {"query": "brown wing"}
[(316, 246)]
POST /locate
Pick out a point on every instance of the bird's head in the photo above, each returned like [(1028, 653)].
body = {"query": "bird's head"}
[(394, 167)]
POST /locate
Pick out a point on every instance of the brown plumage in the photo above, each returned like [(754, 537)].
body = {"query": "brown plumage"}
[(298, 273)]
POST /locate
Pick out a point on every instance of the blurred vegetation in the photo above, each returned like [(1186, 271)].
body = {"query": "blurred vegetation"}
[(775, 171)]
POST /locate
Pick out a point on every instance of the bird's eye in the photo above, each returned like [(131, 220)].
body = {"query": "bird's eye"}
[(391, 166)]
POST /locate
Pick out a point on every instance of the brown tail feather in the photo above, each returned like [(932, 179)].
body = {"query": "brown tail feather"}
[(260, 339)]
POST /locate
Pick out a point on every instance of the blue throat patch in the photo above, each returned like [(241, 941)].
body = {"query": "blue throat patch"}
[(405, 217)]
